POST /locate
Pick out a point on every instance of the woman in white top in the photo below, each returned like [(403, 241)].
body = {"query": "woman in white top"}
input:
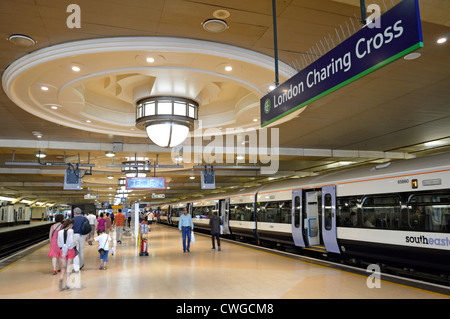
[(66, 244)]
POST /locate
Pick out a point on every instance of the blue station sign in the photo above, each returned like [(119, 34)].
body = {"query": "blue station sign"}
[(137, 183), (397, 33)]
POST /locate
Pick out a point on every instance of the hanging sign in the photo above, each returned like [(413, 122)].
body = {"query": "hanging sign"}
[(136, 183), (397, 33)]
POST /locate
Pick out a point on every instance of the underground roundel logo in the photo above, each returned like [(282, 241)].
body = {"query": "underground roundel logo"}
[(267, 106)]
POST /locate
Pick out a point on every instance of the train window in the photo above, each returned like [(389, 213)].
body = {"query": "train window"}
[(203, 212), (328, 211), (274, 212), (346, 211), (243, 212), (381, 211), (429, 212), (297, 211), (286, 211)]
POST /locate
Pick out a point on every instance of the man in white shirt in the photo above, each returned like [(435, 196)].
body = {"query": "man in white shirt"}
[(92, 221)]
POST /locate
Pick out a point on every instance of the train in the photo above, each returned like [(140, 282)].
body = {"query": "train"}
[(396, 213)]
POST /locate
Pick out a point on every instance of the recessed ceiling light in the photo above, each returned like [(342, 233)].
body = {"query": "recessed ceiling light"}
[(255, 120), (76, 68), (21, 40), (44, 88), (240, 157), (110, 154), (88, 121), (54, 107), (228, 68), (272, 87), (434, 143), (412, 56), (192, 177), (442, 40), (215, 25), (41, 155), (150, 60)]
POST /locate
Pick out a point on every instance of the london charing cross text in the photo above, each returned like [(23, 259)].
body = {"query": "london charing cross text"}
[(363, 48)]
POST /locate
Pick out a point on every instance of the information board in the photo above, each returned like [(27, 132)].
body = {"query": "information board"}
[(136, 183)]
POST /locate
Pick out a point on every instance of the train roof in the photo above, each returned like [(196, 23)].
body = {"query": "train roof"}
[(397, 168), (416, 165)]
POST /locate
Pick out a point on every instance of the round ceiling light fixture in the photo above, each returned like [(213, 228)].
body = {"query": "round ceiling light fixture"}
[(135, 169), (166, 119), (21, 40), (215, 25)]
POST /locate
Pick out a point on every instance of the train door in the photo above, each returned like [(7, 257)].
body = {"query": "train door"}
[(297, 218), (329, 228), (312, 218), (223, 207), (226, 216), (190, 209)]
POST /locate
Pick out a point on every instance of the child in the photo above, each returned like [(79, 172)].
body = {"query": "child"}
[(103, 243)]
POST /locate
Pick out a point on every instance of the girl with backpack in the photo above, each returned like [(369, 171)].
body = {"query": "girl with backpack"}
[(66, 244)]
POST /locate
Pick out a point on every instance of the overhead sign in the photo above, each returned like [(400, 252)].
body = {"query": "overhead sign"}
[(90, 196), (397, 33), (136, 183)]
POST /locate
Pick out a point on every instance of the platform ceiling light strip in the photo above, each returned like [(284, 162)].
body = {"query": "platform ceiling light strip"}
[(399, 34)]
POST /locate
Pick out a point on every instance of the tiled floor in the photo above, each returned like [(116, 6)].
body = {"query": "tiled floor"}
[(234, 272)]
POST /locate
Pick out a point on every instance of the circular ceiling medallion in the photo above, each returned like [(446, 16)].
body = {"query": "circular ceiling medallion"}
[(215, 25), (21, 40), (94, 84)]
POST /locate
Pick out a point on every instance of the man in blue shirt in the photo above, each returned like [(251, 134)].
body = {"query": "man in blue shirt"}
[(186, 225)]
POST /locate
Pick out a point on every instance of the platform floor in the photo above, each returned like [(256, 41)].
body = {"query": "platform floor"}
[(234, 272)]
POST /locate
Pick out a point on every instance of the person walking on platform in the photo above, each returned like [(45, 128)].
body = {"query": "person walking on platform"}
[(54, 251), (107, 223), (119, 220), (101, 222), (103, 247), (80, 240), (66, 243), (92, 221), (186, 226), (215, 223)]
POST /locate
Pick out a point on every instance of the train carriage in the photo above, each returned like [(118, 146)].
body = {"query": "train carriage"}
[(395, 212)]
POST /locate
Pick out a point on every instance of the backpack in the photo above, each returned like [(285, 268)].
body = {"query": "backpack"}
[(85, 227), (64, 248)]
